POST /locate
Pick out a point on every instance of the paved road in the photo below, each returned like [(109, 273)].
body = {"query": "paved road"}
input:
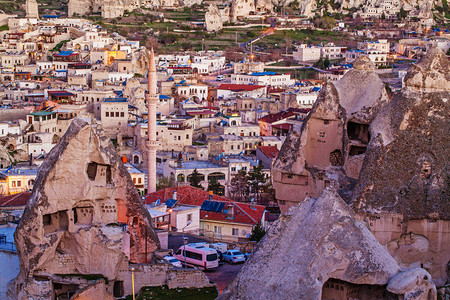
[(223, 275)]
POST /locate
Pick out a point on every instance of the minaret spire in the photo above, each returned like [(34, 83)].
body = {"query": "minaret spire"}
[(152, 144)]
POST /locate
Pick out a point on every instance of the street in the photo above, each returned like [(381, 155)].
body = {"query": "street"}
[(221, 276)]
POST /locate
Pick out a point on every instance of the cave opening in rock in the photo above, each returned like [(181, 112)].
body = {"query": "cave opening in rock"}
[(335, 289), (358, 132), (357, 150)]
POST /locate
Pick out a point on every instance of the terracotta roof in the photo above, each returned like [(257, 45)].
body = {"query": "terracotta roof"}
[(20, 199), (243, 212), (286, 126), (270, 118), (239, 87), (269, 151)]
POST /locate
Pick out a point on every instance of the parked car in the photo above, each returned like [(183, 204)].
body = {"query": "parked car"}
[(233, 256), (220, 78), (172, 260)]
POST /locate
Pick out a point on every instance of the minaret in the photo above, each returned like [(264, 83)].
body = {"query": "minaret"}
[(152, 144)]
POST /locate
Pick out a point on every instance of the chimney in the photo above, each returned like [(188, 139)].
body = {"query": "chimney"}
[(174, 195), (210, 195), (230, 210)]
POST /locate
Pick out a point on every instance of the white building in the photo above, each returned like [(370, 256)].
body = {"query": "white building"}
[(263, 78), (305, 53)]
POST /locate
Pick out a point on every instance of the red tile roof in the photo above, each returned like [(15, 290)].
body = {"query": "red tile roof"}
[(286, 126), (239, 87), (245, 213), (20, 199), (271, 118), (269, 151)]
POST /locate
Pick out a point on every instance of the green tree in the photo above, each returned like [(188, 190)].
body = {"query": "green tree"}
[(448, 52), (383, 16), (165, 182), (326, 62), (258, 233), (257, 181), (215, 186), (238, 188), (402, 13), (195, 179)]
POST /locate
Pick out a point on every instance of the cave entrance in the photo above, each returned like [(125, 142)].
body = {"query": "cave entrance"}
[(64, 291), (335, 289), (118, 290), (357, 150), (358, 132)]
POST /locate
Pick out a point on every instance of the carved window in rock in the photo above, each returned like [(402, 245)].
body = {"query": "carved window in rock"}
[(55, 222), (83, 214), (321, 134), (99, 173)]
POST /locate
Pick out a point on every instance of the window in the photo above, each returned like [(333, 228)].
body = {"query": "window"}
[(107, 114), (117, 114), (139, 180), (13, 183), (326, 122), (122, 114), (19, 183), (217, 229), (233, 169), (189, 217), (235, 231)]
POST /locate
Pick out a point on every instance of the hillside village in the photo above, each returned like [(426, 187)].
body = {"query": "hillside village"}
[(215, 127)]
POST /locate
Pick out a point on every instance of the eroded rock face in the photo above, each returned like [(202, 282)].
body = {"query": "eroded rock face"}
[(404, 184), (84, 215), (415, 284), (312, 242), (329, 149), (213, 19)]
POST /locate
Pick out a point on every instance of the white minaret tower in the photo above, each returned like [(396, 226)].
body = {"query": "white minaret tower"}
[(152, 143)]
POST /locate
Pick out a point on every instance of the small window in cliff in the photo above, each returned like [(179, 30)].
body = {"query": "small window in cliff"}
[(118, 289), (99, 172), (47, 220), (358, 132), (336, 158), (92, 170), (356, 150), (326, 122)]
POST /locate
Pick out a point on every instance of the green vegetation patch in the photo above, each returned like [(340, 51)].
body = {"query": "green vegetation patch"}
[(4, 27), (163, 293)]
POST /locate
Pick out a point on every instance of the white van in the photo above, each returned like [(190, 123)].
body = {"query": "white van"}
[(222, 247), (198, 255), (220, 78)]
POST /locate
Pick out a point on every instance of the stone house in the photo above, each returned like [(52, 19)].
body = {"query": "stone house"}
[(230, 221), (114, 115), (266, 154)]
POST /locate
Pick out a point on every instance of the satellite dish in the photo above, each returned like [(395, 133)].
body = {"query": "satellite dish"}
[(158, 202)]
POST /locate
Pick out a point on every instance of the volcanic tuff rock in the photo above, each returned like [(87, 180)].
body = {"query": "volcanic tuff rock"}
[(312, 242), (407, 168), (213, 19), (71, 223), (329, 147), (415, 284), (403, 189)]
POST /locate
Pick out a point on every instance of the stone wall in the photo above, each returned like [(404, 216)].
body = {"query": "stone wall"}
[(13, 114)]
